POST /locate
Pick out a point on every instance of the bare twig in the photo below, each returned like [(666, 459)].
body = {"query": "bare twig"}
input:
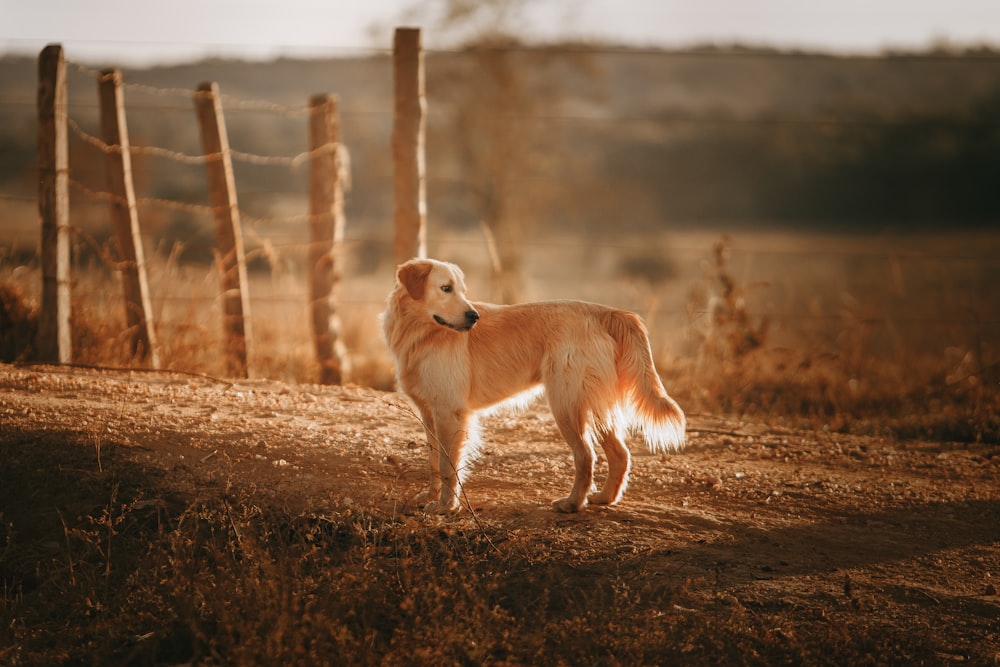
[(232, 523), (463, 497), (111, 530), (69, 548)]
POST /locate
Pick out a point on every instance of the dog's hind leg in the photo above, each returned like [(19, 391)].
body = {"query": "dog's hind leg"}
[(619, 462), (571, 428)]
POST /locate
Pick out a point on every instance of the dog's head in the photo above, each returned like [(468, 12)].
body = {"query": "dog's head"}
[(439, 287)]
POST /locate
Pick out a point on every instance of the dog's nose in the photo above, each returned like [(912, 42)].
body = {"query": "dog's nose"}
[(471, 316)]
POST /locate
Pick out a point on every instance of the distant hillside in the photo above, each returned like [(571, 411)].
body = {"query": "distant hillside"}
[(645, 139)]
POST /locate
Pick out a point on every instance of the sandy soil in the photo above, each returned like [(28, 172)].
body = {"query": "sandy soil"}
[(813, 526)]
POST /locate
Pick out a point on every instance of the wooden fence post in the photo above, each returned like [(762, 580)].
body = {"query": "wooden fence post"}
[(326, 235), (408, 145), (54, 339), (125, 217), (229, 236)]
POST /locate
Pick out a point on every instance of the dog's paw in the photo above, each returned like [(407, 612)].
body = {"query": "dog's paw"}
[(428, 496), (601, 498), (567, 505), (440, 507)]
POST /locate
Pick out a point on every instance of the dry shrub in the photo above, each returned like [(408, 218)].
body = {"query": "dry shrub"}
[(732, 333), (654, 267), (370, 363), (845, 382), (18, 323)]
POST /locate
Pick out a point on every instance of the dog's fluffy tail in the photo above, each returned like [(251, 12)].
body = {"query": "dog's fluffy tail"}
[(652, 412)]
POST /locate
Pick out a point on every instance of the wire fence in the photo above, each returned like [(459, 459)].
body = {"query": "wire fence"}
[(271, 243)]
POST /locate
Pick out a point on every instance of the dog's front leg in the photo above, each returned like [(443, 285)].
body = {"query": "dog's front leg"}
[(451, 431), (434, 490)]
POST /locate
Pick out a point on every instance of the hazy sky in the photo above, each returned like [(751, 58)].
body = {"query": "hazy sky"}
[(150, 31)]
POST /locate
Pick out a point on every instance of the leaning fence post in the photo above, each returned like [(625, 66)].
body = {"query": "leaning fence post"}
[(125, 217), (54, 340), (408, 145), (326, 235), (229, 236)]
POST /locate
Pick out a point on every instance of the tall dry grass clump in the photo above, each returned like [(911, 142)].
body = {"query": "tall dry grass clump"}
[(842, 378), (18, 323)]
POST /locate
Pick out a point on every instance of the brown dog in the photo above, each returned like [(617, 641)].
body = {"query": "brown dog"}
[(455, 358)]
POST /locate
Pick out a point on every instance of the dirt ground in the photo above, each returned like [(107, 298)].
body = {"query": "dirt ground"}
[(812, 527)]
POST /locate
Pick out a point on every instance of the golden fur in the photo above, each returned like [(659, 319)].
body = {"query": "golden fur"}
[(455, 358)]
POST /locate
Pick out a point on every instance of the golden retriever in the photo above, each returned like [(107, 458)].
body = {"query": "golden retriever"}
[(455, 359)]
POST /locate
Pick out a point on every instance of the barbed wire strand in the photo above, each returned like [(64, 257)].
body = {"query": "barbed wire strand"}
[(227, 100), (200, 209), (251, 158)]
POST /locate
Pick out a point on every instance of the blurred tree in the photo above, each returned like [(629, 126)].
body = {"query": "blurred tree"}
[(492, 97)]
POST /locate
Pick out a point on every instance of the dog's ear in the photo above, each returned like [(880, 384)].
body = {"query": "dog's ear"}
[(413, 276)]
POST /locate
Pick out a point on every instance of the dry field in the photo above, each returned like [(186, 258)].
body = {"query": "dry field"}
[(838, 503), (170, 519)]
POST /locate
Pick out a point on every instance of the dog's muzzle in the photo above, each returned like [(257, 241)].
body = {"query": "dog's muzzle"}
[(471, 317)]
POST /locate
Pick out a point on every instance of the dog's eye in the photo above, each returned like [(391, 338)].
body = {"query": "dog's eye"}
[(446, 288)]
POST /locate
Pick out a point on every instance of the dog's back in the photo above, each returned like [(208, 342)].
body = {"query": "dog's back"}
[(594, 361)]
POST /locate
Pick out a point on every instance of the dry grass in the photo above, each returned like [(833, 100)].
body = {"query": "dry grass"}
[(899, 338), (141, 576), (861, 373)]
